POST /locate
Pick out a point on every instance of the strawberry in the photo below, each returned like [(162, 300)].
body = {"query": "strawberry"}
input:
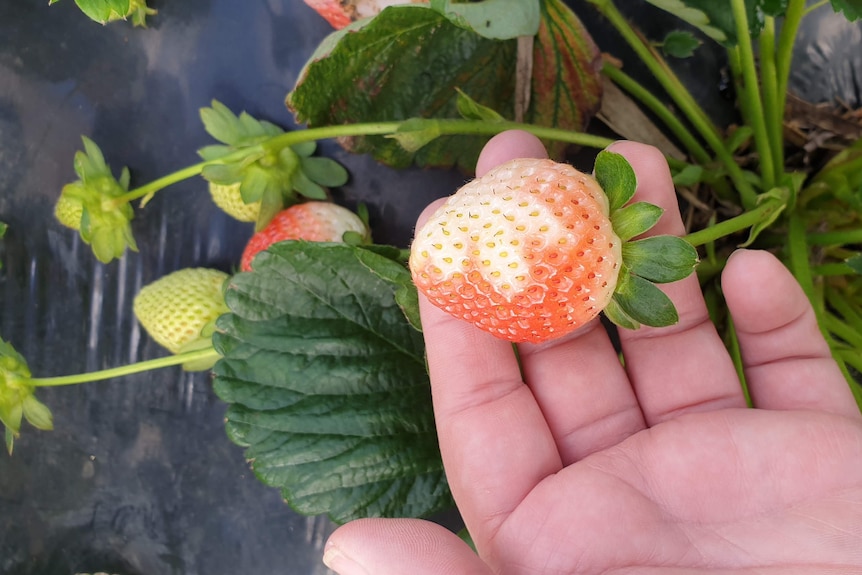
[(176, 308), (340, 13), (526, 252), (68, 211), (228, 198), (310, 221)]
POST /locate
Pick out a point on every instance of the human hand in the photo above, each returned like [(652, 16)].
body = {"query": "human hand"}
[(576, 464)]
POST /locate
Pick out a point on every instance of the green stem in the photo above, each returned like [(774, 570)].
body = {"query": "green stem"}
[(736, 357), (832, 269), (842, 330), (682, 133), (733, 225), (784, 52), (752, 93), (797, 250), (682, 97), (773, 109), (815, 6), (171, 360), (835, 238)]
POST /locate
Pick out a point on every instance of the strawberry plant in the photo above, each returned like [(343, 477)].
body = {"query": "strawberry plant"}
[(318, 348)]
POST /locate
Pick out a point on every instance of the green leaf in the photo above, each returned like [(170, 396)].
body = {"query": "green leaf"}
[(412, 59), (324, 171), (406, 295), (688, 176), (643, 302), (740, 136), (102, 11), (616, 177), (715, 19), (855, 263), (567, 83), (635, 219), (494, 19), (661, 259), (327, 385), (852, 9), (680, 44), (778, 198)]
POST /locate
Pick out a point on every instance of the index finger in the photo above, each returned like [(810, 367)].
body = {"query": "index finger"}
[(495, 443)]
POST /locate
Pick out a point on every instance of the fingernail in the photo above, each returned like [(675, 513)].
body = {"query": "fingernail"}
[(342, 564)]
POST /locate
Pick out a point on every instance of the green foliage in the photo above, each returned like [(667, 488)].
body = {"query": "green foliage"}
[(104, 11), (409, 61), (494, 19), (680, 44), (616, 177), (326, 382), (715, 19), (852, 9)]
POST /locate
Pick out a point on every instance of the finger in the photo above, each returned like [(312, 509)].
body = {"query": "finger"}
[(684, 367), (493, 437), (398, 546), (787, 362)]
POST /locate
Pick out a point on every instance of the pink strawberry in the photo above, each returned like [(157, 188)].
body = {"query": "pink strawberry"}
[(340, 13), (310, 221), (526, 252)]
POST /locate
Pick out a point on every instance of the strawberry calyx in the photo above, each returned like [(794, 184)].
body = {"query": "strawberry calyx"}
[(91, 205), (17, 399), (649, 261), (269, 176)]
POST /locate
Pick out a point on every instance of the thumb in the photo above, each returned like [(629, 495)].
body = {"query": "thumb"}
[(398, 546)]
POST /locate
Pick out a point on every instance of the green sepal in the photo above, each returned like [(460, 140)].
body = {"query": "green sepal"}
[(778, 197), (635, 219), (618, 317), (269, 172), (660, 259), (324, 171), (470, 109), (616, 177), (643, 302), (37, 413), (415, 133), (203, 342)]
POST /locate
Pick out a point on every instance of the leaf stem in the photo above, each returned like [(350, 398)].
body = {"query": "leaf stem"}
[(741, 222), (681, 96), (752, 93), (772, 103), (142, 366), (673, 123), (835, 238)]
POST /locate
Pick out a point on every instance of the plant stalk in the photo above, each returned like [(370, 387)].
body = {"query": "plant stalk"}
[(682, 97), (752, 93), (772, 103), (140, 367), (733, 225)]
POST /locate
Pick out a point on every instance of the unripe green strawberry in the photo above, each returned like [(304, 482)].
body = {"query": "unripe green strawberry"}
[(175, 308), (228, 198), (68, 211), (310, 221), (526, 252)]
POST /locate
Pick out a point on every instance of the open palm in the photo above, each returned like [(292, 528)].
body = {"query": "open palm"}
[(573, 463)]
